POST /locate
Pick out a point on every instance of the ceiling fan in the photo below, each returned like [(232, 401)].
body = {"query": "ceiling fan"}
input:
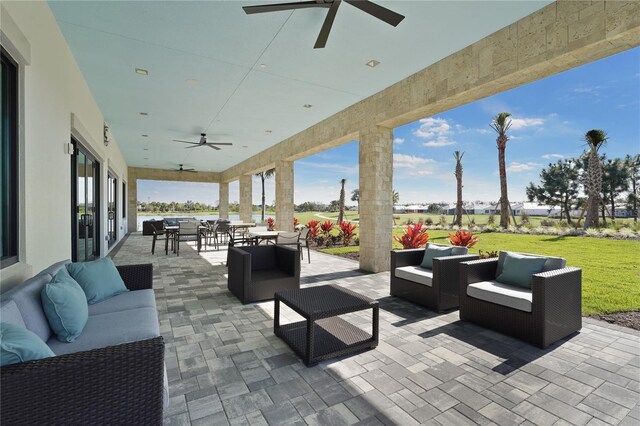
[(203, 142), (182, 169), (382, 13)]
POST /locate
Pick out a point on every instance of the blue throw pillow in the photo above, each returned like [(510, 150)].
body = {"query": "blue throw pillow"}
[(434, 251), (17, 344), (99, 279), (518, 269), (65, 306)]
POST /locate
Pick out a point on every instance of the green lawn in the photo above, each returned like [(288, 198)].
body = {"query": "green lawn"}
[(610, 268)]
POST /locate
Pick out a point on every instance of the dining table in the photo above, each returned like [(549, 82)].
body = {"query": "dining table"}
[(260, 236), (172, 230)]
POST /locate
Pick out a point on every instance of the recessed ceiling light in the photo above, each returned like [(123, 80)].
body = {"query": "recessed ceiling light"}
[(145, 136), (373, 63), (268, 131), (192, 82), (307, 105), (144, 113), (142, 71), (263, 65)]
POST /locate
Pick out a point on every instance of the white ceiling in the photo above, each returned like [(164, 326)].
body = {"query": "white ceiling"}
[(254, 72)]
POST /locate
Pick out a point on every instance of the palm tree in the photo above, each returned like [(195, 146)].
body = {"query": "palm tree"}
[(355, 196), (633, 163), (595, 139), (501, 124), (458, 173), (266, 174), (341, 213), (395, 197)]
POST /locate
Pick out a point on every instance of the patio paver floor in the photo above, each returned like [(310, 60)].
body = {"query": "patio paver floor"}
[(226, 366)]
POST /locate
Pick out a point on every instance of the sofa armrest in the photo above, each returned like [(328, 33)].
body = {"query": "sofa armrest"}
[(559, 289), (476, 271), (120, 384), (239, 265), (137, 277), (288, 260), (446, 271), (408, 257)]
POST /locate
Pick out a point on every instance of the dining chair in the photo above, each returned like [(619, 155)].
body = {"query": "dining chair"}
[(304, 241), (158, 232), (211, 233), (288, 239), (188, 231), (223, 230)]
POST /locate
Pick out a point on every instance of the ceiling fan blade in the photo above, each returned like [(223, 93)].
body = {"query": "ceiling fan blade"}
[(194, 146), (321, 41), (190, 170), (282, 6), (382, 13), (193, 143), (213, 147), (219, 143)]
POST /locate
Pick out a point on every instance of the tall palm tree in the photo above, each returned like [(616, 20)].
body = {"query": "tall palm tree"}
[(595, 139), (458, 173), (395, 197), (501, 124), (264, 175), (633, 163), (341, 213)]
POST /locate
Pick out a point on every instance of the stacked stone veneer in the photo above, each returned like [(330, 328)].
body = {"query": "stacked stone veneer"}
[(223, 200), (284, 195), (246, 200), (560, 36)]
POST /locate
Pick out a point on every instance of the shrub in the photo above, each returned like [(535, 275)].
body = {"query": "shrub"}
[(592, 232), (295, 222), (547, 222), (429, 221), (443, 220), (524, 217), (607, 232), (471, 222), (326, 227), (463, 239), (271, 224), (347, 230), (414, 237), (487, 254), (356, 241), (491, 219)]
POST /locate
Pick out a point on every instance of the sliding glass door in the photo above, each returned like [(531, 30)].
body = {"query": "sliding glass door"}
[(85, 198), (112, 209)]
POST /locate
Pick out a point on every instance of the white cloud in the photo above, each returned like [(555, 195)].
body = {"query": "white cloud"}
[(398, 141), (552, 156), (521, 123), (516, 167), (404, 161), (331, 167), (436, 130)]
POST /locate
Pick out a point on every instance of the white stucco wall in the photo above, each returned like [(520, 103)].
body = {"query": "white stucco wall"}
[(56, 104)]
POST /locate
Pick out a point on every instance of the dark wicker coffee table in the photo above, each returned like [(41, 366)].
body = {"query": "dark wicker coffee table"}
[(323, 335)]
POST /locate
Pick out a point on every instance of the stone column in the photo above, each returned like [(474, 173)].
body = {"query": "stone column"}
[(376, 206), (223, 200), (246, 199), (132, 198), (284, 195)]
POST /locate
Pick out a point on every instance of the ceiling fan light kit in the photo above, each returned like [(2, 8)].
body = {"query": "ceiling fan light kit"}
[(377, 11)]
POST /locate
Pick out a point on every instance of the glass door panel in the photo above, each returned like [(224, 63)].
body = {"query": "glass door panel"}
[(86, 206), (112, 186)]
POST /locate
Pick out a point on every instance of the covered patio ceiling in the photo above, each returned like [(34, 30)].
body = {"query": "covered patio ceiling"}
[(250, 79)]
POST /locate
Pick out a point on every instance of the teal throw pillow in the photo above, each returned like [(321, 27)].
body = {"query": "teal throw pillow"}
[(99, 279), (518, 269), (65, 306), (17, 344), (434, 251)]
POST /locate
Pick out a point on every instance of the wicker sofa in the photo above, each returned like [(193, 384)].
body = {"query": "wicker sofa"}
[(436, 289), (113, 373), (550, 311), (257, 272)]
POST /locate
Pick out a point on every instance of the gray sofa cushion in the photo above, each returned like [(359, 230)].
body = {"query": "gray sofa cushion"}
[(125, 301), (551, 264), (416, 274), (27, 297), (502, 294), (111, 329), (457, 251), (55, 268), (10, 313)]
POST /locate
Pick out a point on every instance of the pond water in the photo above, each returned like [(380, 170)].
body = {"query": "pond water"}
[(256, 217)]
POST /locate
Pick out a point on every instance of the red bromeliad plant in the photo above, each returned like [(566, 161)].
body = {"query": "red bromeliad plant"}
[(326, 227), (414, 237), (347, 230), (313, 228), (271, 224), (295, 222), (463, 239)]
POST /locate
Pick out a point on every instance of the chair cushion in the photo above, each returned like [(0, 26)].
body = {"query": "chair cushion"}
[(111, 329), (433, 251), (518, 269), (99, 279), (502, 294), (550, 264), (416, 274), (262, 275), (17, 344), (10, 313), (27, 298), (125, 301), (65, 306)]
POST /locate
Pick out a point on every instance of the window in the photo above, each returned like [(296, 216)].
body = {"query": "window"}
[(124, 200), (9, 161)]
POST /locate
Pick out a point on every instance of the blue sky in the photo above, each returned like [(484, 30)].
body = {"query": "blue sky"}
[(550, 117)]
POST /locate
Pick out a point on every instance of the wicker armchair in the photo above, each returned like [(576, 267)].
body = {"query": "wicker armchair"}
[(442, 294), (257, 272), (120, 384), (555, 303)]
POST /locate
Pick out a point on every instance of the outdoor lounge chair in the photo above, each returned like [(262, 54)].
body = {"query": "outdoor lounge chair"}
[(257, 272), (550, 310), (435, 288)]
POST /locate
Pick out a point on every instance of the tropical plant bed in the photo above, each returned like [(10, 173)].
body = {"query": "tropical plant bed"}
[(610, 268), (625, 319)]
